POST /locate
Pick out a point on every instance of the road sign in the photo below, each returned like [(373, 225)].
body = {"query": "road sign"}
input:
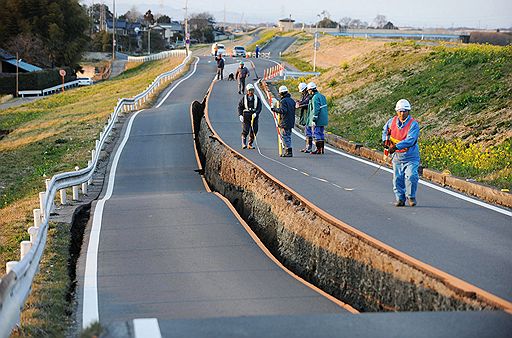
[(317, 45), (62, 72)]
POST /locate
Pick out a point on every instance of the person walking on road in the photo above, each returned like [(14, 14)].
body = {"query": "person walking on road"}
[(257, 51), (302, 104), (216, 49), (220, 67), (241, 74), (287, 122), (249, 109), (400, 136), (317, 117)]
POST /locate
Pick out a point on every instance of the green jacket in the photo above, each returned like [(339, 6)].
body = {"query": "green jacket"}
[(317, 110)]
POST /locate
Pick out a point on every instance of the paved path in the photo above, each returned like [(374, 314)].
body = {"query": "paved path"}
[(168, 249)]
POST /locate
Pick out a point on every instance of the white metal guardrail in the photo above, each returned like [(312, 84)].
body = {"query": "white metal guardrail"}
[(51, 90), (15, 285), (158, 56)]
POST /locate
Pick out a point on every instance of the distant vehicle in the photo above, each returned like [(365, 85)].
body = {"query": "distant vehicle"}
[(221, 49), (239, 51), (85, 81)]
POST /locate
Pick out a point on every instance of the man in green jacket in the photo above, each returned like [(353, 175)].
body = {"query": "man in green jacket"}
[(317, 117)]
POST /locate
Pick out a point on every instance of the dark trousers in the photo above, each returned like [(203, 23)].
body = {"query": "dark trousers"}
[(220, 73), (241, 85), (247, 129)]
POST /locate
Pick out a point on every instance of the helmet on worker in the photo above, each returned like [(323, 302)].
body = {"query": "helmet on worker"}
[(302, 86), (403, 105), (283, 89), (241, 63), (249, 87), (311, 86)]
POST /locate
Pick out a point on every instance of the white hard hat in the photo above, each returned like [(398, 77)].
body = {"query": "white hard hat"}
[(249, 87), (302, 86), (283, 89), (311, 85), (402, 104)]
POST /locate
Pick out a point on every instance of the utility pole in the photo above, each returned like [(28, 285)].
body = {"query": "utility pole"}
[(17, 76), (149, 39), (187, 34), (114, 32)]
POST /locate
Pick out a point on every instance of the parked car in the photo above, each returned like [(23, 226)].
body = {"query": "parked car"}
[(221, 49), (85, 81), (239, 51)]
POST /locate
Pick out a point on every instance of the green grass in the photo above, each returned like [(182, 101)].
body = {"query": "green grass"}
[(265, 36), (47, 312), (462, 96)]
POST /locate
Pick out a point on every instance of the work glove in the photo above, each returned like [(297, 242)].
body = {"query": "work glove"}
[(253, 115), (241, 118), (392, 149), (386, 144)]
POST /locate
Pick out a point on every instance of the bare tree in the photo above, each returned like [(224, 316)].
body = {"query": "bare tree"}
[(379, 21)]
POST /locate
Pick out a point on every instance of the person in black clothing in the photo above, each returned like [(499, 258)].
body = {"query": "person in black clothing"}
[(249, 109), (287, 121), (220, 67)]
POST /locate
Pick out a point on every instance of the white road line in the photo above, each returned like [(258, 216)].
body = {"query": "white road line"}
[(146, 328), (425, 183), (90, 313), (178, 83)]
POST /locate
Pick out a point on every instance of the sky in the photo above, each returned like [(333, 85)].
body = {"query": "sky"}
[(484, 14)]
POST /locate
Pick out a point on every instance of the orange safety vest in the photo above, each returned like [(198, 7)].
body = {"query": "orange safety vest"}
[(397, 135)]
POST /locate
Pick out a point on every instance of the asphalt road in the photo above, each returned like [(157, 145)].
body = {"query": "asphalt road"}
[(168, 249)]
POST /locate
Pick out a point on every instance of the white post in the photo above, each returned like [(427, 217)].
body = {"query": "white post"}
[(37, 217), (84, 188), (47, 183), (42, 197), (33, 231), (75, 188), (63, 197), (89, 163), (9, 266), (93, 154), (24, 248)]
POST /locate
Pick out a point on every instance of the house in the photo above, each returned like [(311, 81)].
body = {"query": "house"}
[(8, 64), (285, 25), (173, 30)]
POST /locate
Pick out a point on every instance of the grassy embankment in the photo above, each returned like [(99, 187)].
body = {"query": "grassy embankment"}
[(48, 136), (461, 95)]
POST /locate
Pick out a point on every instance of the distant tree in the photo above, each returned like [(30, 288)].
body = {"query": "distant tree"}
[(149, 19), (358, 24), (163, 19), (133, 15), (345, 22), (379, 21), (327, 23), (201, 27), (59, 24), (31, 47)]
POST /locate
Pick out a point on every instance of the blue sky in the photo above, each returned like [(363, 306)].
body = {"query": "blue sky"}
[(429, 13)]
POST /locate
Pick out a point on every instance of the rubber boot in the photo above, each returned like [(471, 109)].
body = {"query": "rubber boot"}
[(322, 143), (309, 145), (244, 142), (318, 150), (288, 153)]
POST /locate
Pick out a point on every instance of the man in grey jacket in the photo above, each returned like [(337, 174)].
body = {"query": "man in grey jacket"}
[(241, 74)]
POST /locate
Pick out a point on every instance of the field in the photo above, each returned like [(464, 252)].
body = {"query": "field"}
[(461, 95)]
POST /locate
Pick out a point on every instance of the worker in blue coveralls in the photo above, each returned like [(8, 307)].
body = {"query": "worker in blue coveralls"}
[(317, 116), (400, 137)]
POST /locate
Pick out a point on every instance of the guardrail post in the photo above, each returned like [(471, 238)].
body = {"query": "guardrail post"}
[(97, 146), (9, 266), (89, 163), (84, 188), (47, 183), (63, 196), (75, 188), (42, 197), (33, 231), (24, 248), (37, 217)]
